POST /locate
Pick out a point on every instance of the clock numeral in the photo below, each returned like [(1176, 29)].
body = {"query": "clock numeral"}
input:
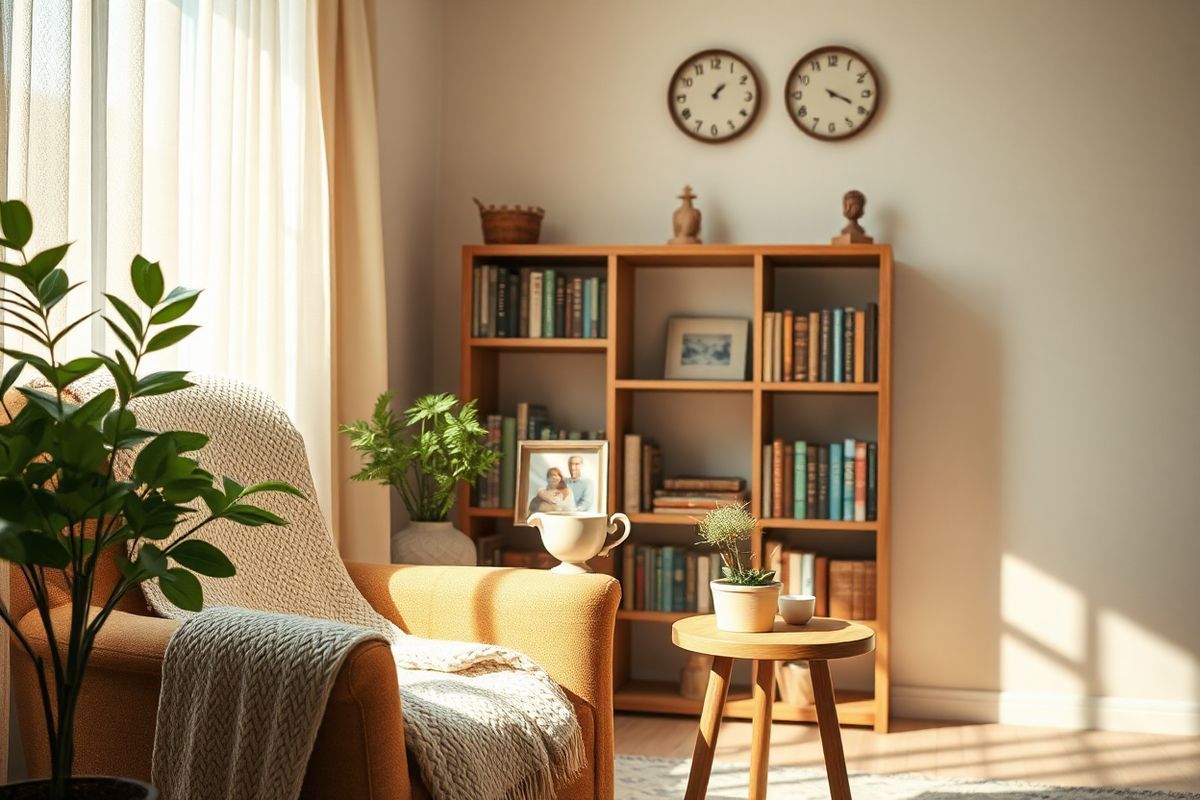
[(866, 92), (699, 124), (686, 113), (715, 63), (802, 111), (832, 127), (833, 61), (862, 110), (849, 61), (749, 96), (743, 113), (743, 81), (699, 68), (714, 130), (816, 122), (797, 95), (849, 122), (816, 65), (681, 98), (862, 76), (732, 127), (686, 82), (804, 79), (731, 66)]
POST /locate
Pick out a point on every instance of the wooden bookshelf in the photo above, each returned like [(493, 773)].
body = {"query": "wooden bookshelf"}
[(766, 265)]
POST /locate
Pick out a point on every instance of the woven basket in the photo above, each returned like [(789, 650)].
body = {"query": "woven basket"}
[(516, 225)]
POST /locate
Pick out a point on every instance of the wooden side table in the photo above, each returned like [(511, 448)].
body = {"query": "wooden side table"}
[(818, 642)]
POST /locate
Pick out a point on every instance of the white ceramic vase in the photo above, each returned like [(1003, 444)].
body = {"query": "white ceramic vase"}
[(432, 543), (745, 609)]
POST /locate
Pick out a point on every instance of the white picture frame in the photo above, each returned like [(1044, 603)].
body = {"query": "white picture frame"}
[(587, 491), (707, 348)]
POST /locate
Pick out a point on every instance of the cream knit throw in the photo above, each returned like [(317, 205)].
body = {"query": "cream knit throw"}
[(483, 722)]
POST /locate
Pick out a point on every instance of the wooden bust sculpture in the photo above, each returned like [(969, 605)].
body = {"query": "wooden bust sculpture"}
[(854, 203), (686, 220)]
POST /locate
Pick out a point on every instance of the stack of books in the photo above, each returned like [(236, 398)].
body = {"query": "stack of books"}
[(805, 480), (667, 578), (494, 552), (538, 303), (642, 473), (497, 489), (695, 495), (844, 588), (834, 345)]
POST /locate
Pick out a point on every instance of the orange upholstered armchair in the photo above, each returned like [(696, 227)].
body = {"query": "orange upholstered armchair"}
[(563, 623)]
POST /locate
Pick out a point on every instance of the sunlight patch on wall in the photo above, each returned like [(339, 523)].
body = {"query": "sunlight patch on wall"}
[(1044, 646)]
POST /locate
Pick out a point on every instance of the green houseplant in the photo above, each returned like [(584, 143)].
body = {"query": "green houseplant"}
[(424, 457), (745, 599), (65, 504)]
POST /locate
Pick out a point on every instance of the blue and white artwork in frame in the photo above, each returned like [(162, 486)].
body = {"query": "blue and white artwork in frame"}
[(706, 348)]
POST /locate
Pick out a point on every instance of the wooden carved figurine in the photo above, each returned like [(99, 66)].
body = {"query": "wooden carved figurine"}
[(853, 204), (686, 219)]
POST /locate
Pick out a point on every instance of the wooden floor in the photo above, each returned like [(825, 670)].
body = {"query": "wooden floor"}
[(996, 752)]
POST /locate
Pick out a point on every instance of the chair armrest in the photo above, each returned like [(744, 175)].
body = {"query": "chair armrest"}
[(563, 622), (131, 643)]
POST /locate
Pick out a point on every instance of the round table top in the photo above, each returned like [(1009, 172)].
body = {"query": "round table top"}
[(822, 639)]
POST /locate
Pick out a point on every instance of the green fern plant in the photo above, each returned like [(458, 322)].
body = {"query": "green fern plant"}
[(725, 528)]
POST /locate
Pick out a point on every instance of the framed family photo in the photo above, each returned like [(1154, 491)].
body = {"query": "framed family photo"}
[(561, 476), (700, 348)]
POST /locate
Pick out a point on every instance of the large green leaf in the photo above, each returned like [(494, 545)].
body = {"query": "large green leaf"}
[(168, 337), (202, 557), (177, 303), (251, 516), (31, 548), (182, 588), (17, 223), (149, 465), (11, 377), (46, 402), (94, 409), (272, 486), (151, 559), (53, 288), (147, 279), (161, 383), (40, 265), (128, 314)]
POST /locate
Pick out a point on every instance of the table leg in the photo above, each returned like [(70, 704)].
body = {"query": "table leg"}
[(831, 734), (760, 743), (710, 726)]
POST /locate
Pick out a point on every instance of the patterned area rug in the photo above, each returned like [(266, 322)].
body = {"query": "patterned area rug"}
[(639, 778)]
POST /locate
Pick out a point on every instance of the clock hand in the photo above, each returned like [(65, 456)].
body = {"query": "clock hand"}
[(832, 93), (721, 87)]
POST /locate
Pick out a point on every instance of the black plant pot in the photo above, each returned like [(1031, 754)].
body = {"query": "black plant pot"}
[(90, 788)]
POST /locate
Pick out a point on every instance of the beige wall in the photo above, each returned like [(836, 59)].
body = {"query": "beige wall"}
[(1034, 165)]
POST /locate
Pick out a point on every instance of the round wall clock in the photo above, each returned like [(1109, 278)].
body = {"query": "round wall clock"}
[(832, 93), (713, 96)]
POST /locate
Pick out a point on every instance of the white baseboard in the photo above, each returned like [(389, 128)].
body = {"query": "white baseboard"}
[(1054, 710)]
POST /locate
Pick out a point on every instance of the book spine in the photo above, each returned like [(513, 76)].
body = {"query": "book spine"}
[(811, 509), (502, 305), (766, 481), (788, 348), (577, 307), (841, 586), (777, 350), (508, 463), (689, 597), (633, 473), (871, 346), (800, 348), (860, 482), (872, 485), (646, 498), (705, 484), (602, 322), (560, 306), (794, 563), (767, 337), (548, 282), (523, 304), (639, 600), (799, 481), (848, 451), (808, 574), (814, 346), (514, 304), (595, 308), (703, 571), (785, 478), (587, 309), (628, 573), (835, 481), (822, 481), (658, 579), (848, 346), (837, 332), (826, 345), (568, 309), (870, 605), (821, 585), (679, 581), (535, 304), (476, 271), (857, 590), (860, 338), (777, 479)]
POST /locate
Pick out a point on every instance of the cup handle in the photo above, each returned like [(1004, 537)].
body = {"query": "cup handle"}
[(612, 528)]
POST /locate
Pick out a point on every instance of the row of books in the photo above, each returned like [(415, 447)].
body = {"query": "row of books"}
[(493, 551), (667, 578), (844, 588), (806, 480), (497, 489), (538, 303), (834, 345)]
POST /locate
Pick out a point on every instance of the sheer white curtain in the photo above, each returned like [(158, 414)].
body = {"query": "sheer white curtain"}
[(189, 131)]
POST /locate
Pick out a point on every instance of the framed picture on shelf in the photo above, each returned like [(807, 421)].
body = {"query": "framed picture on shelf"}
[(561, 476), (706, 348)]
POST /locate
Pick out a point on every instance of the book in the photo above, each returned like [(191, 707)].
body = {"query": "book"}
[(848, 346), (640, 599), (691, 502), (633, 473), (814, 346), (768, 345), (822, 482), (595, 310), (848, 451), (871, 345), (860, 482), (793, 572), (501, 306), (788, 348), (766, 481), (577, 307), (560, 305), (703, 595), (549, 277), (785, 478), (811, 509), (858, 590), (705, 484), (860, 338), (800, 348), (808, 570), (535, 304), (691, 561), (508, 462), (837, 333), (826, 348), (602, 324), (773, 557), (732, 497), (651, 472), (777, 479), (872, 481), (628, 573), (834, 476), (799, 481), (821, 585), (678, 579), (841, 586), (476, 297), (523, 303)]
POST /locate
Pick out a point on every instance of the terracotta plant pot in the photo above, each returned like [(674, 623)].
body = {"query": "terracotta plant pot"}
[(89, 788), (745, 609)]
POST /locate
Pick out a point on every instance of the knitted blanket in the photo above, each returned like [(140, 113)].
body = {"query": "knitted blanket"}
[(467, 707)]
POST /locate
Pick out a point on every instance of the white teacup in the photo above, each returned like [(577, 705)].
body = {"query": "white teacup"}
[(797, 609), (573, 538)]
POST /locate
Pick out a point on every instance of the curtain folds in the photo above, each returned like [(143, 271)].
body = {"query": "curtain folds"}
[(358, 313)]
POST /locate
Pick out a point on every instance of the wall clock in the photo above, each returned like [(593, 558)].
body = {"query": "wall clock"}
[(832, 93), (713, 96)]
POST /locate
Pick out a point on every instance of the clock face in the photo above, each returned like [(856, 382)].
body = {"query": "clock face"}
[(832, 93), (713, 96)]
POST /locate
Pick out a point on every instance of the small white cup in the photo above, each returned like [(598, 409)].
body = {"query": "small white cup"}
[(797, 609)]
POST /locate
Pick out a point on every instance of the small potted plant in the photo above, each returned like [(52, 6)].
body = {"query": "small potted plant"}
[(439, 444), (744, 600), (66, 504)]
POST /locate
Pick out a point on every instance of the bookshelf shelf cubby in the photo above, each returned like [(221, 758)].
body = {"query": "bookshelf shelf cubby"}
[(644, 285)]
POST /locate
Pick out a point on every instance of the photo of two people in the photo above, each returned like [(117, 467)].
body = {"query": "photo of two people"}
[(561, 478)]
